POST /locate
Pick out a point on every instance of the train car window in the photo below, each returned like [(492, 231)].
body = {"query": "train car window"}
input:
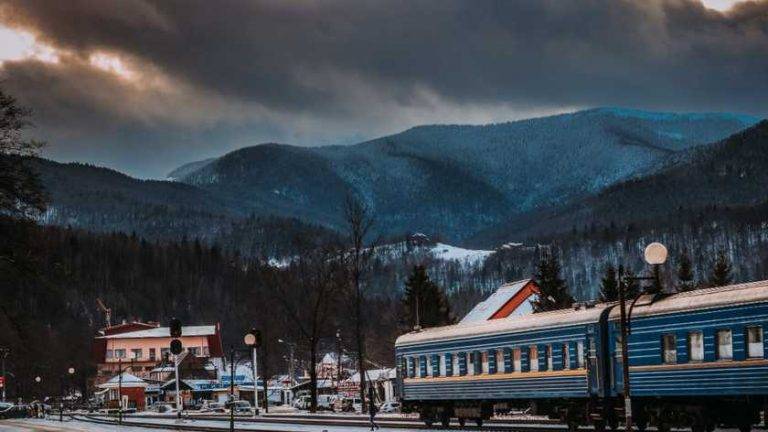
[(755, 348), (448, 360), (516, 362), (500, 367), (696, 346), (580, 354), (471, 364), (669, 348), (566, 357), (456, 365), (534, 358), (724, 340), (462, 363), (483, 362), (428, 361), (549, 357)]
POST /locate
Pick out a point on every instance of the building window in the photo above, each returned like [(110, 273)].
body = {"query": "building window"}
[(669, 347), (195, 351), (471, 364), (110, 354), (499, 360), (120, 353), (755, 347), (566, 357), (724, 340), (456, 364), (136, 353), (534, 358), (206, 351), (152, 353), (580, 354), (696, 346), (165, 352), (549, 357), (516, 364)]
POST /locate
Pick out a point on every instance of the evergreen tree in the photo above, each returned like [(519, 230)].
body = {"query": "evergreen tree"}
[(684, 273), (721, 270), (424, 303), (553, 293), (609, 288), (631, 285)]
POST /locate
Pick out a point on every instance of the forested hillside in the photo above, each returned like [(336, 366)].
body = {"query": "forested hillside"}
[(457, 180), (50, 278)]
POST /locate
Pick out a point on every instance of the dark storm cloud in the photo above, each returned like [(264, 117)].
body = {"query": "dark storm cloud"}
[(341, 68)]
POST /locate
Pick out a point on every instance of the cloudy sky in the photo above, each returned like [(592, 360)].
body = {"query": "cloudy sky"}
[(143, 86)]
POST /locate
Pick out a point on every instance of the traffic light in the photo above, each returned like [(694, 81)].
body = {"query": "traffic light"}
[(175, 328), (176, 347)]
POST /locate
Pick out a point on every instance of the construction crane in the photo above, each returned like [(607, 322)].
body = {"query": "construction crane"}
[(107, 312)]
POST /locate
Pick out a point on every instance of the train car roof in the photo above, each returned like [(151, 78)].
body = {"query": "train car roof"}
[(558, 318), (705, 298)]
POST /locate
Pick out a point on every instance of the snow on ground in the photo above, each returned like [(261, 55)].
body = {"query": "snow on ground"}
[(454, 253)]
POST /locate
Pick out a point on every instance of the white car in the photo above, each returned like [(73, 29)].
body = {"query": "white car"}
[(390, 407)]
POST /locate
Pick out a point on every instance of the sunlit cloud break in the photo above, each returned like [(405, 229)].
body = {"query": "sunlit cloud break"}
[(16, 45)]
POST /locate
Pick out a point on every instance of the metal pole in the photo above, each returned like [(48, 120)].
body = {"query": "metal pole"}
[(61, 401), (255, 383), (625, 354), (176, 374), (120, 391), (232, 390), (4, 354)]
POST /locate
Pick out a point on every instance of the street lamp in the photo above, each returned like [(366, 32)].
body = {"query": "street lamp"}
[(655, 254), (70, 372), (253, 339), (4, 352)]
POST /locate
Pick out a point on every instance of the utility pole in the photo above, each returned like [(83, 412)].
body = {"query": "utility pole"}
[(120, 391), (4, 352), (625, 352), (232, 389)]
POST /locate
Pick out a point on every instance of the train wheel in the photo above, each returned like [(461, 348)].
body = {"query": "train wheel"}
[(642, 425), (599, 425), (462, 421), (479, 422), (445, 419)]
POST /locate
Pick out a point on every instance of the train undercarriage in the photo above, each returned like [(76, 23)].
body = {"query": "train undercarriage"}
[(700, 414)]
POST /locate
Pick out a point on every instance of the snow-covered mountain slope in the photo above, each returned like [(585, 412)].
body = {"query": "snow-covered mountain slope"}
[(458, 180)]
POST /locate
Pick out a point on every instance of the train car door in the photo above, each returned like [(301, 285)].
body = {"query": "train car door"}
[(593, 365)]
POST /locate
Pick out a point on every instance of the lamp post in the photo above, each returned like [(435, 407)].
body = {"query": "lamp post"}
[(655, 255), (291, 368), (4, 352), (338, 358), (253, 340), (70, 372)]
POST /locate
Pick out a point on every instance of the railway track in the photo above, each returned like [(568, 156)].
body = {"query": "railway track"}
[(358, 422)]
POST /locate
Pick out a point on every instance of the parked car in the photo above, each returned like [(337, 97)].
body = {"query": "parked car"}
[(351, 405), (240, 406), (302, 402), (162, 408), (213, 407), (325, 402), (390, 407)]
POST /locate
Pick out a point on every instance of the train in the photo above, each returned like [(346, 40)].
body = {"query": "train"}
[(697, 359)]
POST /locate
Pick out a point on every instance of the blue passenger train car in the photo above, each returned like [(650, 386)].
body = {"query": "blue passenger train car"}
[(696, 358)]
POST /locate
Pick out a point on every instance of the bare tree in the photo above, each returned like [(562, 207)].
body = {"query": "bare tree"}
[(306, 290), (21, 192), (359, 223)]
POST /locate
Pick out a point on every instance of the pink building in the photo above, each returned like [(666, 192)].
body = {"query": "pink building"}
[(141, 346)]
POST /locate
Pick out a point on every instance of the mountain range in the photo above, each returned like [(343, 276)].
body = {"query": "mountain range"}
[(478, 185)]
